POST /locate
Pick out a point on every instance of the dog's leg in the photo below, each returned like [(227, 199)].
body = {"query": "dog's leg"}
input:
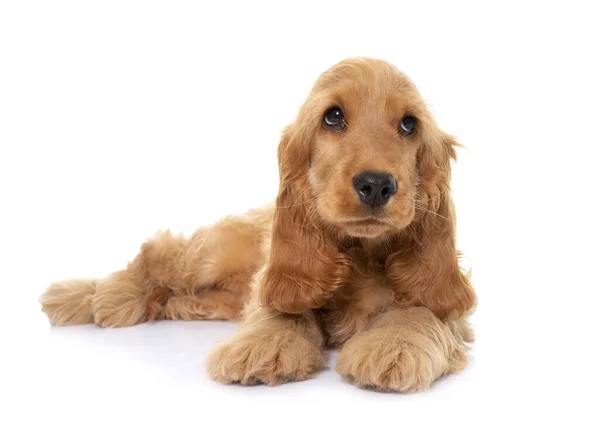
[(405, 350), (218, 258), (269, 347), (210, 304)]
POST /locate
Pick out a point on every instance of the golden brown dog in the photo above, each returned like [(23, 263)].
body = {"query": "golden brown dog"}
[(358, 251)]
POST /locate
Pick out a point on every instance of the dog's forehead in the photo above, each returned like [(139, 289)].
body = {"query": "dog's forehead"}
[(371, 82)]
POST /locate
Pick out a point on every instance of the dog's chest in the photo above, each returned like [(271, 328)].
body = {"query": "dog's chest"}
[(355, 305)]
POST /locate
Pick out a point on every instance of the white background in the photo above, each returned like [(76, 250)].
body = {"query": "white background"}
[(118, 118)]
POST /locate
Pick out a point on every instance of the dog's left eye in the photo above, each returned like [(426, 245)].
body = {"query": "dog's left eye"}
[(408, 124)]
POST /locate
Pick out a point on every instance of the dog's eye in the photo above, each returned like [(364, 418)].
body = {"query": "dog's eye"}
[(408, 124), (334, 117)]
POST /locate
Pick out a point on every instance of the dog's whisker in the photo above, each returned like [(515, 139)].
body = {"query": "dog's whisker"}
[(293, 205)]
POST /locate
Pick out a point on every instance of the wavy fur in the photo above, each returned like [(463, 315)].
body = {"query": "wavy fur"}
[(318, 268)]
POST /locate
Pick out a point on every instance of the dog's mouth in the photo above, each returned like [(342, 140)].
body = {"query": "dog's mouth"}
[(369, 221), (370, 227)]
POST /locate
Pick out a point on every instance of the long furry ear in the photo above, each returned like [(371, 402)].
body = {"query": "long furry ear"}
[(425, 271), (305, 266)]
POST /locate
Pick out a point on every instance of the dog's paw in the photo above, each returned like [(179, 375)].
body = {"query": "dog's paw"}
[(269, 358), (371, 360), (69, 302)]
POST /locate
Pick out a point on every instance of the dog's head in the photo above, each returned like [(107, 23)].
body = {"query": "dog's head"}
[(364, 159), (365, 150)]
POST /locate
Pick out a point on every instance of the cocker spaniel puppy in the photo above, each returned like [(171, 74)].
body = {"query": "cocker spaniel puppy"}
[(357, 253)]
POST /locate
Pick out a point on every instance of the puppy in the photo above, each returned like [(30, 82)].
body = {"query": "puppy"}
[(357, 253)]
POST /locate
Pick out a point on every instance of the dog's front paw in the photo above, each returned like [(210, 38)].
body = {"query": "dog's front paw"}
[(269, 358), (375, 360)]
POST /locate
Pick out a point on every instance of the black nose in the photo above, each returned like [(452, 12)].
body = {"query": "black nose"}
[(373, 188)]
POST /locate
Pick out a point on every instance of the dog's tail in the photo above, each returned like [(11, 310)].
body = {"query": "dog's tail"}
[(69, 302)]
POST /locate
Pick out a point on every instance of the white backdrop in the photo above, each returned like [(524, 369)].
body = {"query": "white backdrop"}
[(118, 118)]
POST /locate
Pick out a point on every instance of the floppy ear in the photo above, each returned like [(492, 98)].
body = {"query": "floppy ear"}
[(304, 266), (425, 271)]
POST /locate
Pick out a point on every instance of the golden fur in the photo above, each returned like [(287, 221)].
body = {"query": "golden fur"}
[(318, 269)]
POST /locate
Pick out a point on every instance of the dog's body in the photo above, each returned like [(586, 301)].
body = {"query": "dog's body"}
[(376, 274)]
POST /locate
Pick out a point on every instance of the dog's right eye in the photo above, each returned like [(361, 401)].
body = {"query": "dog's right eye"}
[(334, 118)]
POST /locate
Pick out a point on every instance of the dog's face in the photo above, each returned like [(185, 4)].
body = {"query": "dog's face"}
[(368, 124), (364, 159)]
